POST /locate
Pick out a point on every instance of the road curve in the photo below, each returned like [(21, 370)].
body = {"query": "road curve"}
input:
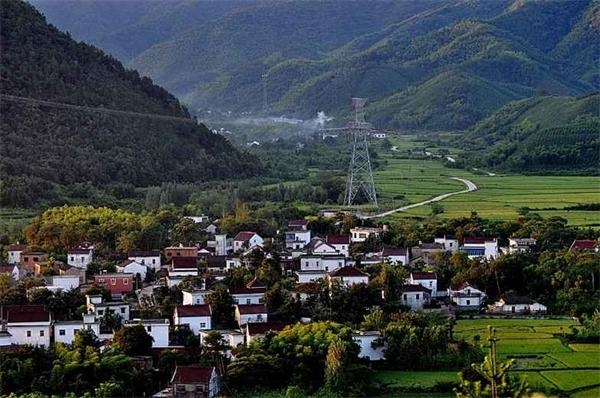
[(470, 188)]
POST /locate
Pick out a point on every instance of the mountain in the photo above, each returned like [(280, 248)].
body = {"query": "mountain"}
[(548, 134), (51, 150), (422, 64)]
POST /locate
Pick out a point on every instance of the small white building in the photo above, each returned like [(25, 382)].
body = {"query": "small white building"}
[(148, 258), (520, 245), (348, 276), (365, 340), (298, 235), (222, 245), (512, 304), (415, 296), (484, 248), (179, 268), (341, 243), (28, 324), (233, 338), (361, 234), (65, 282), (466, 297), (245, 240), (252, 293), (134, 268), (198, 317), (157, 328), (96, 305), (396, 255), (449, 243), (425, 279), (64, 331), (80, 258), (14, 253), (258, 330), (195, 297), (250, 313)]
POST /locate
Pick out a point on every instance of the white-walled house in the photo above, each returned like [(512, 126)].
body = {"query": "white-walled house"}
[(485, 248), (415, 296), (245, 240), (148, 258), (97, 306), (512, 304), (157, 328), (66, 282), (64, 331), (198, 317), (14, 253), (341, 243), (520, 245), (314, 266), (365, 340), (348, 276), (193, 381), (80, 258), (12, 270), (396, 255), (250, 313), (450, 243), (361, 234), (28, 324), (134, 268), (179, 268), (466, 296), (252, 293), (195, 297), (297, 236), (425, 279)]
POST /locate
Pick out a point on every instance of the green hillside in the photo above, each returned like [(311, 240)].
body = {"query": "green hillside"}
[(539, 135), (50, 152)]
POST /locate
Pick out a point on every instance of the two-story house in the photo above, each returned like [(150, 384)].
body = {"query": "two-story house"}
[(179, 268), (466, 297), (297, 235), (396, 255), (361, 234), (348, 276), (27, 324), (341, 243), (14, 253), (246, 240), (198, 317), (149, 258), (415, 296), (425, 279), (117, 284), (478, 247), (252, 293), (80, 257), (250, 313)]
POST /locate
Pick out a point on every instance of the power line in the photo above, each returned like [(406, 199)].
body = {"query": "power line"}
[(16, 98)]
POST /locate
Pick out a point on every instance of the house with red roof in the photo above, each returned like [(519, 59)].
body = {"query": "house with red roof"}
[(254, 331), (341, 243), (587, 245), (252, 293), (415, 296), (250, 313), (180, 267), (196, 316), (348, 276), (80, 257), (14, 253), (117, 284), (466, 296), (425, 279), (297, 235), (192, 381), (396, 255), (27, 324), (245, 240)]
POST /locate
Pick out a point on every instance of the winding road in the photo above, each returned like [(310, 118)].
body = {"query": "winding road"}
[(470, 188)]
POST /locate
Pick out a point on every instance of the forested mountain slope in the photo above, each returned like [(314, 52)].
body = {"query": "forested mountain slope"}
[(422, 64), (48, 151)]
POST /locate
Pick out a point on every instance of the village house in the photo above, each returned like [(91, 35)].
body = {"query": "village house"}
[(361, 234), (253, 331), (246, 240), (513, 304), (252, 293), (158, 329), (14, 253), (67, 270), (415, 296), (179, 268), (12, 270), (96, 305), (520, 245), (233, 338), (316, 266), (148, 258), (425, 279), (448, 242), (250, 313), (466, 297), (80, 257), (29, 258), (396, 255), (298, 235), (27, 324), (484, 248), (348, 276), (341, 243), (211, 229), (117, 284), (64, 282), (198, 317), (587, 245), (303, 291), (64, 331), (222, 245), (192, 381), (180, 251), (195, 297), (133, 268)]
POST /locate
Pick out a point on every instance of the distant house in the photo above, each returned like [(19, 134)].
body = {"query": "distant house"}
[(448, 242), (348, 276), (466, 296), (253, 331), (179, 268), (117, 284), (65, 282), (484, 248), (365, 340), (425, 279), (298, 235), (133, 268), (80, 258), (341, 243), (250, 313), (305, 290), (27, 324), (64, 331), (211, 229), (245, 240), (361, 234), (396, 255), (587, 245), (252, 293), (158, 329), (180, 251), (520, 245), (195, 381), (316, 266), (194, 297), (96, 305), (14, 253), (513, 304), (198, 317), (29, 258), (415, 296), (148, 258)]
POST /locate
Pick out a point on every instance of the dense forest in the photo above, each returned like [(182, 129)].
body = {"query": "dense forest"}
[(47, 151), (423, 64)]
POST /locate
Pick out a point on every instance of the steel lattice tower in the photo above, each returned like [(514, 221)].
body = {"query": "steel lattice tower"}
[(360, 174)]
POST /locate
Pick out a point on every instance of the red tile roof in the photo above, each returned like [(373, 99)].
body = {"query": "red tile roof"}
[(252, 308), (184, 262), (244, 236), (6, 269), (192, 374), (255, 284), (415, 288), (79, 251), (297, 223), (583, 244), (247, 290), (394, 251), (423, 275), (17, 248), (346, 272), (193, 310), (151, 253), (264, 327), (338, 239), (26, 313), (477, 241)]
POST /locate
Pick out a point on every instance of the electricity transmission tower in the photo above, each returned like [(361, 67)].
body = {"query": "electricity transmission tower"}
[(360, 173)]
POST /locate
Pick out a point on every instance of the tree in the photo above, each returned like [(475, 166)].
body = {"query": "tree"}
[(85, 338), (221, 304), (133, 340)]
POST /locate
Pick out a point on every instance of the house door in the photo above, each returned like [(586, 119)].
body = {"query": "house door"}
[(513, 309)]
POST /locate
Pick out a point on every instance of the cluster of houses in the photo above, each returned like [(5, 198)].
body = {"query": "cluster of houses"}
[(305, 257)]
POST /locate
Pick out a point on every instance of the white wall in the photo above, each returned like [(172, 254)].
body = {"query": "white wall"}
[(254, 298), (79, 260), (366, 349), (195, 322), (14, 257), (65, 282), (414, 300), (69, 330), (194, 298), (19, 334), (250, 318)]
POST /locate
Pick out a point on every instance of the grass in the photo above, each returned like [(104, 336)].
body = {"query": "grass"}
[(578, 359), (572, 379), (585, 347), (410, 379), (588, 393), (530, 346)]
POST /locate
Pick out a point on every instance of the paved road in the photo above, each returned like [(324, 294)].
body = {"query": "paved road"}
[(470, 188)]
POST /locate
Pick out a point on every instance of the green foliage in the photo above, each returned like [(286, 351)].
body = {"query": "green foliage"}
[(133, 340)]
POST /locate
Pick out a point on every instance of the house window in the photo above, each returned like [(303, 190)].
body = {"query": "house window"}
[(72, 258), (178, 254), (113, 281), (259, 317), (149, 328), (260, 300), (122, 310), (101, 280), (198, 301), (430, 284), (417, 297), (153, 261), (26, 259), (82, 258), (29, 333), (202, 324), (61, 332), (468, 302), (41, 333), (36, 259), (126, 281), (327, 268), (100, 312), (248, 301)]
